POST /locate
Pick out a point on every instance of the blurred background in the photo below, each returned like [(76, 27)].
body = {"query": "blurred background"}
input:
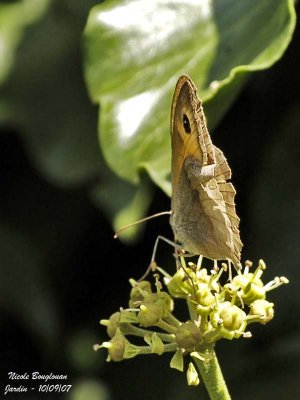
[(61, 271)]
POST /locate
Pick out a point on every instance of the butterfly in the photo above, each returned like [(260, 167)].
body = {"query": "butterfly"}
[(203, 215)]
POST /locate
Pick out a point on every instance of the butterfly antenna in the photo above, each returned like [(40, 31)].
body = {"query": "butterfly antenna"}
[(140, 221)]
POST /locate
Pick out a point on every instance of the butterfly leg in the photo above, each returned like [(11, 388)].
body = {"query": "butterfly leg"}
[(152, 264)]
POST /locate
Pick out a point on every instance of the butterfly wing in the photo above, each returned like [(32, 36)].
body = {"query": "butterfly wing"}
[(203, 216), (222, 174)]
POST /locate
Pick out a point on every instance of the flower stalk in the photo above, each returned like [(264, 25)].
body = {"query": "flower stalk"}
[(212, 377)]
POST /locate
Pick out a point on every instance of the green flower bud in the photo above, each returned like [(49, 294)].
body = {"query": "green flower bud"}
[(166, 302), (229, 320), (188, 336), (253, 292), (112, 324), (154, 307), (162, 299), (240, 281), (232, 317), (119, 348), (149, 314), (264, 309), (138, 292), (204, 296), (116, 346), (180, 285), (192, 375), (243, 280)]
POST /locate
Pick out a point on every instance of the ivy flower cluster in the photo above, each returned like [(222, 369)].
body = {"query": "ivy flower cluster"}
[(216, 311)]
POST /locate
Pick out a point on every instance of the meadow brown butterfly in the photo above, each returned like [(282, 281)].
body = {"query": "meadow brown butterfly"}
[(203, 217)]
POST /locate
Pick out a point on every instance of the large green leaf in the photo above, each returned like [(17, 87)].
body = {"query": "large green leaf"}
[(136, 50)]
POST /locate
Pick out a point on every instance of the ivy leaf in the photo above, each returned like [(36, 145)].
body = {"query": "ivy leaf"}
[(135, 52)]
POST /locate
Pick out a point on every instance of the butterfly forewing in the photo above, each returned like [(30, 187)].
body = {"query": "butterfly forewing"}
[(203, 217)]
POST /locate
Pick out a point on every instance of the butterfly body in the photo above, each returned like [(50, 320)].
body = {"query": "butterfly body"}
[(203, 219)]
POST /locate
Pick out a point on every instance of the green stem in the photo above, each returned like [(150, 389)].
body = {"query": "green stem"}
[(166, 327), (192, 310), (170, 347), (170, 319), (129, 329), (212, 377)]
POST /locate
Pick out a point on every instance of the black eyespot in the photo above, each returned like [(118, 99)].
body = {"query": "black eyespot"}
[(186, 124)]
